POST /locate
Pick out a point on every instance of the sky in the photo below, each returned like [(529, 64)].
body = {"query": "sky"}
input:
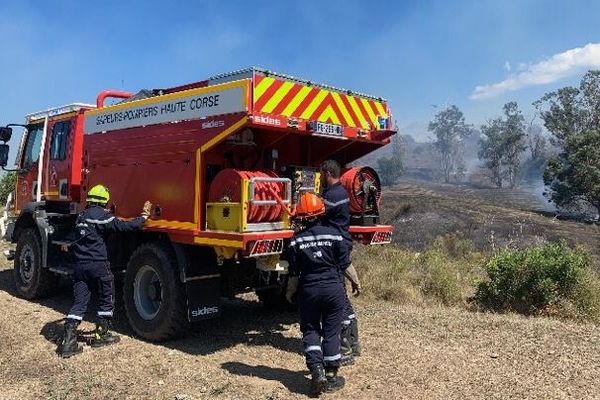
[(420, 55)]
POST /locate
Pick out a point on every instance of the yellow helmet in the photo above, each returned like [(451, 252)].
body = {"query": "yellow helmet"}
[(98, 194)]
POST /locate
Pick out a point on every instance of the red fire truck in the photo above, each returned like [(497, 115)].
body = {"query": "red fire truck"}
[(222, 160)]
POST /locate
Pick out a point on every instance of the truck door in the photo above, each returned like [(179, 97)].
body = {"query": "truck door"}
[(28, 165), (58, 165)]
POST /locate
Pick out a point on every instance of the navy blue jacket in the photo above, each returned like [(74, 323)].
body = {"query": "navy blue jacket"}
[(318, 254), (337, 209), (92, 224)]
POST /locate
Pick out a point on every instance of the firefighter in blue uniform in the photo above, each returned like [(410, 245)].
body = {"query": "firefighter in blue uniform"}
[(337, 215), (317, 268), (92, 269)]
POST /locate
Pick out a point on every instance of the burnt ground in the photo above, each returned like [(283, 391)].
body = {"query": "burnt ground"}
[(491, 218), (249, 353)]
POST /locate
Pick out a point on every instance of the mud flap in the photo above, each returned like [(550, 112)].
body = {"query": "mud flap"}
[(203, 294)]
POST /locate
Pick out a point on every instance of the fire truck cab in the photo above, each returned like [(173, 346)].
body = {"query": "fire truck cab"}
[(223, 161)]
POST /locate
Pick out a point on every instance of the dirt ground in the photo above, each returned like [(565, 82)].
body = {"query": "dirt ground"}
[(251, 353)]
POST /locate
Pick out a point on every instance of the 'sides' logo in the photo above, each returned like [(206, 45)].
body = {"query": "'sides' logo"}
[(201, 312), (263, 119), (213, 124)]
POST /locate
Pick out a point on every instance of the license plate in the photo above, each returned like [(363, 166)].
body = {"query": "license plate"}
[(327, 129)]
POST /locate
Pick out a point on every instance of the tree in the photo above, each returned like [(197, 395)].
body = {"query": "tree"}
[(574, 175), (536, 142), (503, 144), (7, 185), (572, 116), (490, 150), (513, 141), (450, 129), (391, 168), (533, 168)]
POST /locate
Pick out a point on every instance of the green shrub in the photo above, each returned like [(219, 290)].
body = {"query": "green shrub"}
[(533, 280), (7, 185), (584, 302)]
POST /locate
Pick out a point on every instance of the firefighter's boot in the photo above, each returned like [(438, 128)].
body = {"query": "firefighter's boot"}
[(102, 335), (346, 346), (318, 381), (355, 344), (69, 347), (334, 382)]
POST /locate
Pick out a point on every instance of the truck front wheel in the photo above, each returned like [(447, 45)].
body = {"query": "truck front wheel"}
[(31, 279), (154, 298)]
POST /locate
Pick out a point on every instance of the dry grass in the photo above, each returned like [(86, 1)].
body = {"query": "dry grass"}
[(445, 274)]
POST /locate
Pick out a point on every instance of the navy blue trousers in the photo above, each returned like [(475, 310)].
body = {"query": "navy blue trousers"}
[(90, 276), (322, 308)]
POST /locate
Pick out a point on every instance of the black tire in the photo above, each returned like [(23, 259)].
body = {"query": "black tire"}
[(153, 295), (32, 281)]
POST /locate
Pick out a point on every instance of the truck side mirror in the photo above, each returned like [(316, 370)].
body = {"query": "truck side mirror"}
[(5, 133), (4, 148)]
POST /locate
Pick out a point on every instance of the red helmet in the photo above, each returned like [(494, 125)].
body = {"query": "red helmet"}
[(309, 205)]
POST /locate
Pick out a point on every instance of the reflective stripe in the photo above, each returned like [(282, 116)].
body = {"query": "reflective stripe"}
[(83, 225), (315, 238), (105, 313), (332, 358), (73, 316), (352, 316), (346, 322), (313, 348), (99, 222), (337, 203)]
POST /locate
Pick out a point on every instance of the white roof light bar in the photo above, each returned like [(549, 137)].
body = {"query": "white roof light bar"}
[(57, 111)]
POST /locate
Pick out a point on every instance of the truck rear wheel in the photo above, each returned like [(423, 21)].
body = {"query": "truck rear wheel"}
[(154, 297), (31, 279)]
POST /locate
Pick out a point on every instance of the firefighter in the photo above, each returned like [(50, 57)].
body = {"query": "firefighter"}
[(92, 269), (337, 215), (318, 262)]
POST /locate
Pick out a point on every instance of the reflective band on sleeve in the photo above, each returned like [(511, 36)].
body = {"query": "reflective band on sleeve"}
[(315, 238), (346, 322), (76, 317), (337, 203), (83, 225), (332, 358), (352, 316), (105, 313), (99, 222), (313, 348)]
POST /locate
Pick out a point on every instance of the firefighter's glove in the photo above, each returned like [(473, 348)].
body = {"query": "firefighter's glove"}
[(292, 288), (352, 276), (147, 210)]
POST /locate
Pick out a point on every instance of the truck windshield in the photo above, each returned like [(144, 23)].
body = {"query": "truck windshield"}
[(33, 145)]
